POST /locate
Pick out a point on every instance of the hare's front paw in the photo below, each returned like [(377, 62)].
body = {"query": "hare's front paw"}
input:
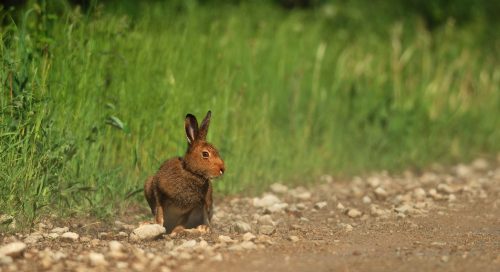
[(203, 229)]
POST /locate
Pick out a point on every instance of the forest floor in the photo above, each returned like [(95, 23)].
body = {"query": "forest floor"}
[(443, 219)]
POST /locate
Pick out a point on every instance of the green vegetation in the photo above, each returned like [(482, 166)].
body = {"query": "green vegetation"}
[(91, 102)]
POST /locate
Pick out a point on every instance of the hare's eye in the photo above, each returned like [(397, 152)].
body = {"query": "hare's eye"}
[(205, 154)]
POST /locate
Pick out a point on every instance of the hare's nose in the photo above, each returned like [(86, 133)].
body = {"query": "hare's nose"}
[(222, 169)]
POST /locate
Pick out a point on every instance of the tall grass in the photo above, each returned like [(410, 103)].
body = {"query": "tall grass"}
[(92, 104)]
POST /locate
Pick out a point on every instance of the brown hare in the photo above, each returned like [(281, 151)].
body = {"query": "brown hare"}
[(180, 194)]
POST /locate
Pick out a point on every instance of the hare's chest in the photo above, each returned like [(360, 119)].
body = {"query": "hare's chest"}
[(189, 196)]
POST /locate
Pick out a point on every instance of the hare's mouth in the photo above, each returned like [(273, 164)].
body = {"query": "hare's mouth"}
[(221, 172)]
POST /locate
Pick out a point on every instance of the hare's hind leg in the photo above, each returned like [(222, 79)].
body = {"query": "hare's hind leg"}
[(149, 194), (154, 199)]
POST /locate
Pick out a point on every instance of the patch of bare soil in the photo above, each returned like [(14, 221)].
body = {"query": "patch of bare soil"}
[(440, 220)]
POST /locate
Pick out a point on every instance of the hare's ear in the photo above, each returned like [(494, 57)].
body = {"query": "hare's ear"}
[(191, 126), (202, 135)]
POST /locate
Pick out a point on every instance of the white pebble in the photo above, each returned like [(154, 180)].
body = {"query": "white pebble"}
[(353, 213), (14, 249), (320, 205), (69, 236)]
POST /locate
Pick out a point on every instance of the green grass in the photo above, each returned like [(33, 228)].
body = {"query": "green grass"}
[(92, 104)]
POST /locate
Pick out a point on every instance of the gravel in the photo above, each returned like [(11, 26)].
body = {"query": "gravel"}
[(296, 218)]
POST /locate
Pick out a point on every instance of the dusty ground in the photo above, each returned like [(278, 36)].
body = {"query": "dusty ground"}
[(439, 220)]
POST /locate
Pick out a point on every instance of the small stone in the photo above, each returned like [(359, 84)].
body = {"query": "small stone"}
[(378, 212), (404, 209), (169, 245), (438, 244), (122, 234), (241, 227), (380, 193), (445, 188), (304, 219), (374, 182), (463, 171), (366, 200), (248, 236), (147, 232), (95, 242), (480, 164), (188, 244), (277, 207), (184, 256), (121, 265), (445, 259), (5, 260), (58, 255), (225, 239), (293, 238), (33, 238), (320, 205), (419, 194), (452, 198), (248, 245), (69, 236), (115, 246), (266, 201), (278, 188), (203, 244), (236, 247), (217, 257), (266, 229), (435, 195), (326, 178), (6, 219), (265, 220), (353, 213), (14, 249), (46, 261), (53, 235), (60, 230), (303, 196), (347, 227), (340, 207), (300, 206), (97, 259)]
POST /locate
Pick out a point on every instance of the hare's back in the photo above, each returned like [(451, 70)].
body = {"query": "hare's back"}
[(170, 171)]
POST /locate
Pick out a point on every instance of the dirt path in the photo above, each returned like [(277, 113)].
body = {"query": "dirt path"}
[(441, 220)]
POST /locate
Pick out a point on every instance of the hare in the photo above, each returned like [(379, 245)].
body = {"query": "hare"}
[(180, 194)]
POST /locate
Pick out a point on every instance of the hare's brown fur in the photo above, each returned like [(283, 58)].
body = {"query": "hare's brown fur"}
[(180, 194)]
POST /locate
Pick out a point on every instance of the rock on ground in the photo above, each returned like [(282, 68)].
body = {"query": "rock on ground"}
[(69, 236), (147, 232), (14, 249), (266, 201)]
